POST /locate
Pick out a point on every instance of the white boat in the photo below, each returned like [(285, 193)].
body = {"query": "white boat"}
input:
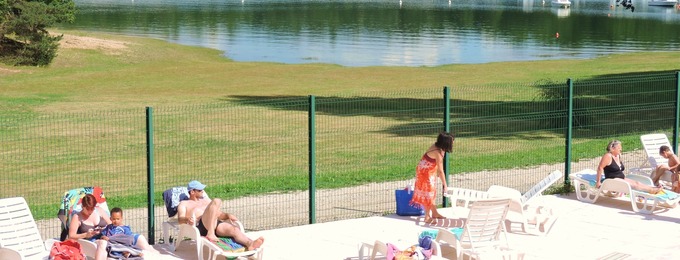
[(562, 12), (663, 2), (563, 3)]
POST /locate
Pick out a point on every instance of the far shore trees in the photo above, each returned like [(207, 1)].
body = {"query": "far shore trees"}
[(24, 39)]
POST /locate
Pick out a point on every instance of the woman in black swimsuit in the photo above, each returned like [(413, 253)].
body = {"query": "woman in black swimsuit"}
[(613, 168), (87, 224)]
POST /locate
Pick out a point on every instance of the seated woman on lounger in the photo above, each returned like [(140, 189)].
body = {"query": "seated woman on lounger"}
[(89, 223), (613, 168)]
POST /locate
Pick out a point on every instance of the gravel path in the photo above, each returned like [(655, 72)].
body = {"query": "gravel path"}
[(291, 209)]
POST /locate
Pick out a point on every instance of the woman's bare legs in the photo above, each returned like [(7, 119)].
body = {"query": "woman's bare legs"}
[(636, 185), (435, 213), (144, 245), (101, 253), (428, 214)]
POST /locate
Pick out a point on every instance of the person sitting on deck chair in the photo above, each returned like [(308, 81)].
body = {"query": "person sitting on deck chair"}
[(208, 217), (612, 167), (672, 166)]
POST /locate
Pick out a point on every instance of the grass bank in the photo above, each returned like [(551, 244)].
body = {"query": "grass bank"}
[(99, 72)]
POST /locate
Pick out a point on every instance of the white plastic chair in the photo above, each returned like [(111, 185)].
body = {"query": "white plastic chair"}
[(535, 220), (173, 232), (19, 235), (483, 232), (651, 144)]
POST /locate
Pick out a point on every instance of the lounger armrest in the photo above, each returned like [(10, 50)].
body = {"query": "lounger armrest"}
[(465, 196), (240, 226), (48, 244), (89, 248), (9, 254), (436, 249), (497, 191)]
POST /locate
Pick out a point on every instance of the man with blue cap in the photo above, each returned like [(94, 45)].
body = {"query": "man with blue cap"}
[(208, 217)]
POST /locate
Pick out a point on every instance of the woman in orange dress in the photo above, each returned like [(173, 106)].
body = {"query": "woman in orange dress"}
[(429, 168)]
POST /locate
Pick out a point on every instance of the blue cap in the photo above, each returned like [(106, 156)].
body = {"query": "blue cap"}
[(195, 185)]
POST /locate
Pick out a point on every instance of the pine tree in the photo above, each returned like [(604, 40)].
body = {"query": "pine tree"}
[(24, 39)]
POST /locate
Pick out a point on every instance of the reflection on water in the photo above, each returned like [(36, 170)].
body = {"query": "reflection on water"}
[(561, 12), (390, 32)]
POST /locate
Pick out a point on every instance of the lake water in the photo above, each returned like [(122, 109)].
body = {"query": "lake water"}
[(391, 33)]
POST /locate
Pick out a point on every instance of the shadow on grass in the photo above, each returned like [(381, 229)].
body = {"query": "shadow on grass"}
[(607, 105)]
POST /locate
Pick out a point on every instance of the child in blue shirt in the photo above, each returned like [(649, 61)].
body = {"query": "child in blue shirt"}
[(117, 228), (122, 234)]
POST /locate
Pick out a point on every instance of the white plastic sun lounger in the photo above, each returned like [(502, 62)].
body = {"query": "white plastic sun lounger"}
[(483, 233), (651, 144), (536, 220), (19, 235), (643, 202)]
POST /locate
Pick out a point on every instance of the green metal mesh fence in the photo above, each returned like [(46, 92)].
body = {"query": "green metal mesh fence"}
[(511, 137), (240, 151), (623, 108), (43, 156), (371, 144), (253, 152)]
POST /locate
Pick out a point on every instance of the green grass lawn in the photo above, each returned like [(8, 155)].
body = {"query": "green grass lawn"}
[(152, 72), (105, 73)]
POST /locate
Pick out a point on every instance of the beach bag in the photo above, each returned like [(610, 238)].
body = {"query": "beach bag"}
[(66, 250), (403, 198)]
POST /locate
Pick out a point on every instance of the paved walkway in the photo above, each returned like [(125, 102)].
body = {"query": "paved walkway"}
[(608, 229)]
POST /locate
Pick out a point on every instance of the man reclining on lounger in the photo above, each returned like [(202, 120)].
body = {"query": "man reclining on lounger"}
[(209, 218)]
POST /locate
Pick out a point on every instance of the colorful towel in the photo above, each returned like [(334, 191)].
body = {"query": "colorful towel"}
[(229, 245), (72, 202), (457, 231), (591, 178), (665, 195)]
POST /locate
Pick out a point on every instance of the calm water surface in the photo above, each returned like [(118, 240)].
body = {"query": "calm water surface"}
[(390, 33)]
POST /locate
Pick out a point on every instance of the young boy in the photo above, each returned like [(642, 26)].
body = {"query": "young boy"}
[(673, 164), (122, 234)]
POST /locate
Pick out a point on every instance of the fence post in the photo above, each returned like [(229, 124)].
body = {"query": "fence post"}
[(677, 111), (312, 159), (567, 139), (447, 128), (150, 176)]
